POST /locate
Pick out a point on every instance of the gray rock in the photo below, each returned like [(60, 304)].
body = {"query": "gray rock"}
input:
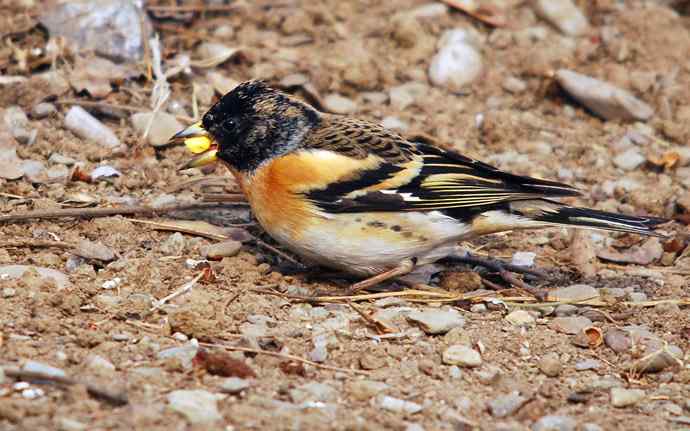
[(506, 405), (604, 99), (43, 110), (234, 385), (621, 397), (565, 310), (33, 170), (364, 390), (163, 126), (457, 63), (114, 28), (564, 15), (222, 249), (94, 250), (399, 406), (555, 423), (629, 160), (38, 367), (406, 94), (99, 364), (461, 355), (514, 85), (570, 325), (88, 127), (435, 321), (588, 364), (184, 354), (520, 318), (575, 292), (338, 104), (67, 424), (197, 406), (17, 271), (17, 123), (550, 364), (173, 245), (313, 391)]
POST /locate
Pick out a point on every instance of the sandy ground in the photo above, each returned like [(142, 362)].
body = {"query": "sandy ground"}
[(102, 325)]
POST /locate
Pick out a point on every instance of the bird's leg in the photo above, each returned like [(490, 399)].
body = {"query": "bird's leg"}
[(505, 270), (403, 268)]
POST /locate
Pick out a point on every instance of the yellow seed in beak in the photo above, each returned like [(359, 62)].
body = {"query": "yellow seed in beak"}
[(198, 144)]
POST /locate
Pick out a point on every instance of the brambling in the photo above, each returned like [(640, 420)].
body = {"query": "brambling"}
[(351, 195)]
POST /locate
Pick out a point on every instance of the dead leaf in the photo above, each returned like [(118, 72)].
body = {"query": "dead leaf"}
[(489, 14), (222, 364), (668, 160)]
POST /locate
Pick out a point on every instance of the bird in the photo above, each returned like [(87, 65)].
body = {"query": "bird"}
[(356, 197)]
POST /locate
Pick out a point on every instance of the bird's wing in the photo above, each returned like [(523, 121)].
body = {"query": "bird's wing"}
[(400, 175)]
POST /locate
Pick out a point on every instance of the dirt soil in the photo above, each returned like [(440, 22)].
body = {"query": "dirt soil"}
[(103, 325)]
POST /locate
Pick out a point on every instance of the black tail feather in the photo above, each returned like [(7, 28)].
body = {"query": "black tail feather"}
[(595, 219)]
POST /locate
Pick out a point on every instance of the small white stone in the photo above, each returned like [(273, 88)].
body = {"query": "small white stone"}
[(457, 62), (564, 15), (523, 258), (399, 406), (339, 104), (520, 318), (197, 406), (163, 126), (86, 126), (629, 160), (463, 356), (621, 397)]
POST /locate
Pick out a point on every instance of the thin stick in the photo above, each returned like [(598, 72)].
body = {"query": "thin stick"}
[(114, 398), (280, 253), (105, 212), (181, 291), (35, 243), (285, 356)]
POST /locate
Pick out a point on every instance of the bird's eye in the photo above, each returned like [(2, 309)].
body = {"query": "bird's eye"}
[(229, 125)]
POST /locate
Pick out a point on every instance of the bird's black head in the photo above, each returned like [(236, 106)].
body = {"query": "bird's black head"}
[(254, 123)]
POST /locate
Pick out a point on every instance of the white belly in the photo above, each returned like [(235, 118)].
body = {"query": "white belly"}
[(369, 243)]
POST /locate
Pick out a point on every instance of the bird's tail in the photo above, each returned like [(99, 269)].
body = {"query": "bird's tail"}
[(544, 211)]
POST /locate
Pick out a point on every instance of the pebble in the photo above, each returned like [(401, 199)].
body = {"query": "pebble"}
[(637, 297), (555, 423), (8, 292), (457, 62), (17, 271), (629, 160), (564, 310), (104, 172), (67, 424), (621, 397), (574, 292), (184, 353), (197, 406), (406, 94), (173, 245), (363, 390), (429, 10), (234, 385), (489, 375), (42, 110), (338, 104), (604, 99), (478, 308), (506, 405), (59, 159), (33, 170), (163, 126), (461, 355), (588, 364), (658, 360), (514, 85), (17, 123), (591, 427), (394, 123), (123, 336), (313, 391), (99, 364), (88, 127), (570, 325), (564, 15), (523, 258), (550, 365), (414, 427), (399, 406), (38, 367), (520, 318), (222, 249), (153, 373), (435, 321), (94, 250)]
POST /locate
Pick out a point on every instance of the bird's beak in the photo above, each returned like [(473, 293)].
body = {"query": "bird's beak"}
[(198, 141)]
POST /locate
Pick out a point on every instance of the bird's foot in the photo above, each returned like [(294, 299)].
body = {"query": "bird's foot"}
[(507, 272)]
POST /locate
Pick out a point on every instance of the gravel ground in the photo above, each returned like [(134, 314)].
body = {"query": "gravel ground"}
[(146, 320)]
